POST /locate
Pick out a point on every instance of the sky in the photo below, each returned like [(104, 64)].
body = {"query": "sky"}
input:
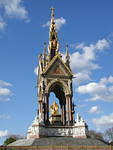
[(87, 27)]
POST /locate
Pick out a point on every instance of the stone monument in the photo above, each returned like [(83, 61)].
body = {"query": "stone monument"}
[(55, 75)]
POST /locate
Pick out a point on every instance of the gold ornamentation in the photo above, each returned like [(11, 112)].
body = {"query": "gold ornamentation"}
[(54, 108)]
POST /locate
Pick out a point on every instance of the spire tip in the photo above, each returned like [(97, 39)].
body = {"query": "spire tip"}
[(52, 11)]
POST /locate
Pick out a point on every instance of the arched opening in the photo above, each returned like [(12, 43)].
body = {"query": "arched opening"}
[(59, 98), (52, 99)]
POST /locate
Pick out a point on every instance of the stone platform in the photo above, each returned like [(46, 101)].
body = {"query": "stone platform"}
[(38, 129), (59, 141)]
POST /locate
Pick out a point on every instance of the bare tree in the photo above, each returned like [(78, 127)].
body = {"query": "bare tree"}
[(95, 135), (108, 135)]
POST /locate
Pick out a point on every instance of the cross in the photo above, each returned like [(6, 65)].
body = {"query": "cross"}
[(52, 13)]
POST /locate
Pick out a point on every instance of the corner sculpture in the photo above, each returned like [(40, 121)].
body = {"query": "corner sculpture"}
[(55, 75)]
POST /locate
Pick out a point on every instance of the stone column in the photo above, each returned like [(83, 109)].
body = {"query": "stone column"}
[(63, 114), (61, 110), (67, 109), (47, 97), (40, 108), (70, 109), (43, 109), (46, 108)]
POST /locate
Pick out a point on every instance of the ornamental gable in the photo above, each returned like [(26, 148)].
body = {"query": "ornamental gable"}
[(57, 68)]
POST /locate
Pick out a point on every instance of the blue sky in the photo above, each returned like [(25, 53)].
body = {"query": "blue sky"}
[(87, 27)]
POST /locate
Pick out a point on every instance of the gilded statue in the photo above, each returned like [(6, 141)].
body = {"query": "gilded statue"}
[(54, 108)]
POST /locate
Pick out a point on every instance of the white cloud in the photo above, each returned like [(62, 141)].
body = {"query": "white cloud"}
[(2, 23), (105, 121), (12, 9), (4, 133), (81, 105), (5, 92), (36, 70), (4, 116), (107, 80), (59, 22), (83, 60), (46, 24), (101, 44), (95, 109), (4, 83), (103, 90), (81, 77), (4, 99)]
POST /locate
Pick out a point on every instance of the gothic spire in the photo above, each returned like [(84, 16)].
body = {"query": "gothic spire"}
[(67, 51), (67, 56), (53, 40), (44, 55), (52, 11)]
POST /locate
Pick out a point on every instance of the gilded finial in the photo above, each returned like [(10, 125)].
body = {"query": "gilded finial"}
[(52, 12)]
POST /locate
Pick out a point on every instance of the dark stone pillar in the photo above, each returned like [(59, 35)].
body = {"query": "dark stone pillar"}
[(67, 109), (40, 108), (46, 108), (47, 97), (61, 110), (70, 110), (63, 114)]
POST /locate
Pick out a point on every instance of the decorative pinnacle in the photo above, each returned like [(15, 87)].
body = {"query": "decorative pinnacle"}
[(44, 44), (44, 48), (52, 12), (67, 53), (66, 45)]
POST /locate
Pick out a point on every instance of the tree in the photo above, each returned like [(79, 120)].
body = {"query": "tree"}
[(95, 135), (12, 138), (108, 135), (9, 140)]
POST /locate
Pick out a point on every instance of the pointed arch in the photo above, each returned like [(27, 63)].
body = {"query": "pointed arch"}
[(61, 83)]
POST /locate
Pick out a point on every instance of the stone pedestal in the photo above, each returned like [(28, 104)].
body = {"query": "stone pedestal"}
[(38, 129), (55, 119)]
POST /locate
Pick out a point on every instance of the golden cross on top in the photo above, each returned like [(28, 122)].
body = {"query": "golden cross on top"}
[(52, 11)]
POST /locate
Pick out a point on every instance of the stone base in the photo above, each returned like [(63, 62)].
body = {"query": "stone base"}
[(70, 131), (38, 129), (58, 131)]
